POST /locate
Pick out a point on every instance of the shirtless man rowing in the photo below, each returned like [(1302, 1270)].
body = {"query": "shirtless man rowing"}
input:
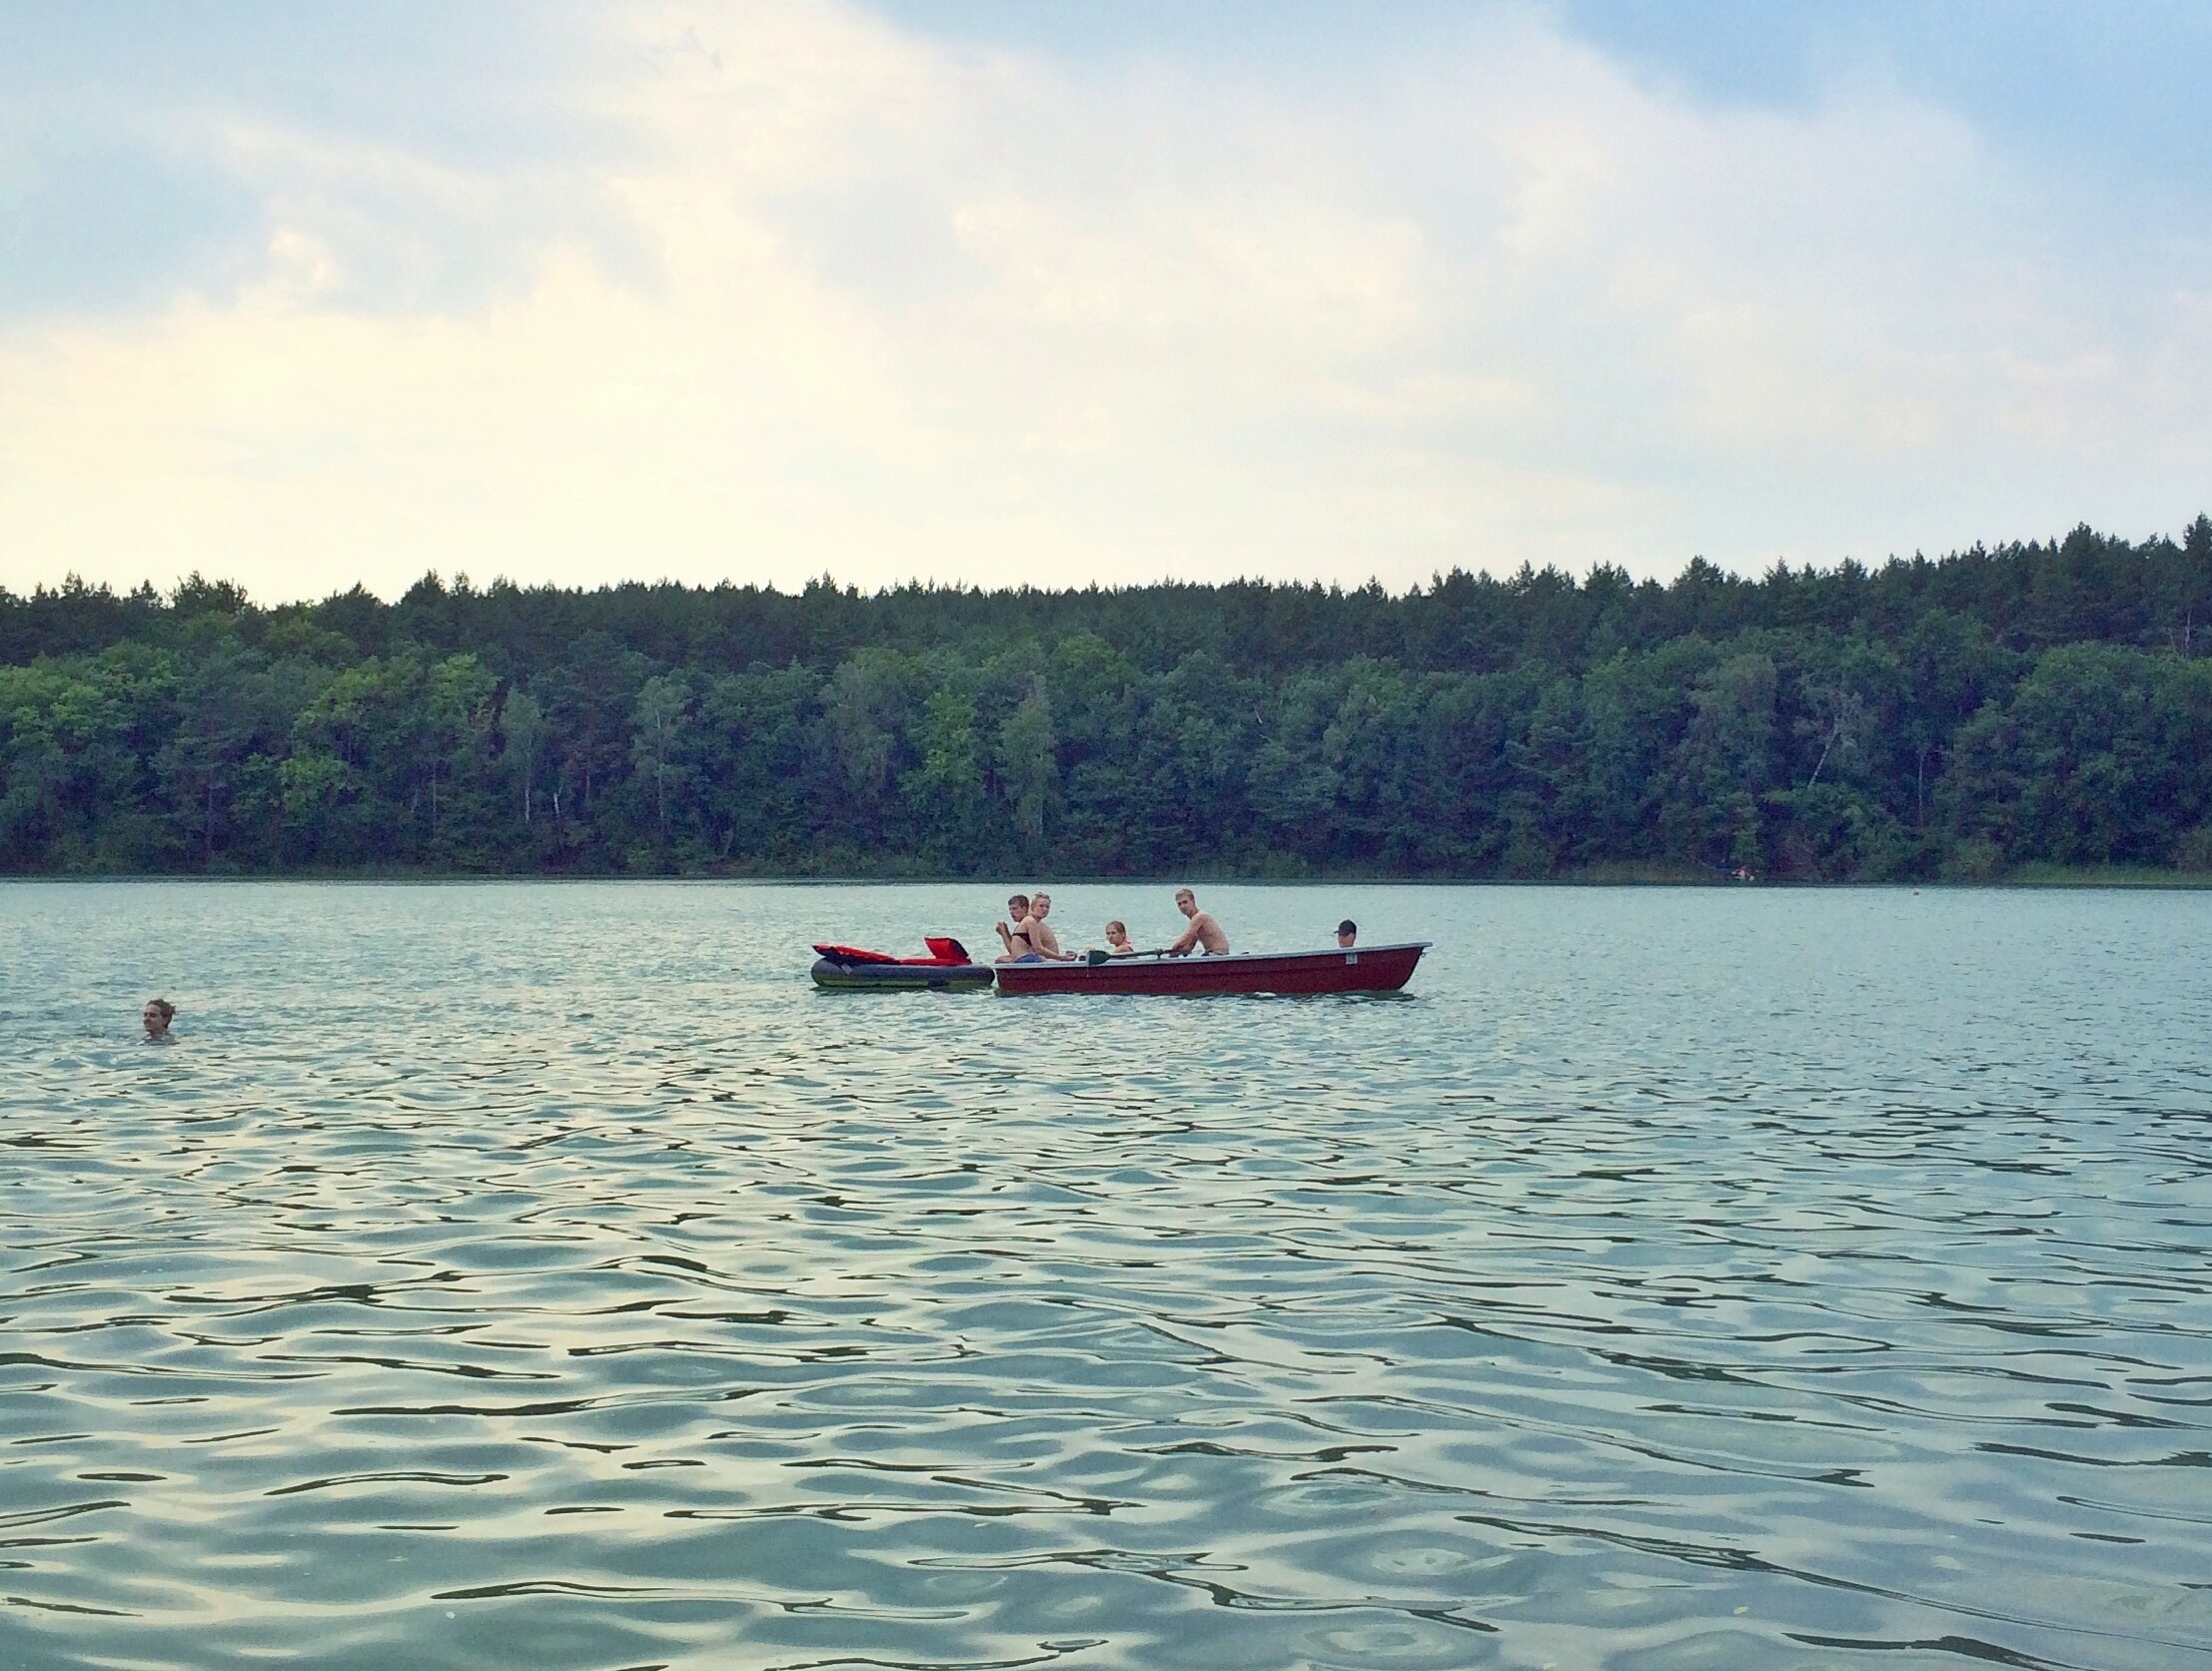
[(1203, 930)]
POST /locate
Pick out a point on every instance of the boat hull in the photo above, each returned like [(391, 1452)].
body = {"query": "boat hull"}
[(1364, 969), (836, 974)]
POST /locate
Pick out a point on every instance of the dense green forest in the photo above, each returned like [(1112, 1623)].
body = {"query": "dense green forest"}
[(2032, 704)]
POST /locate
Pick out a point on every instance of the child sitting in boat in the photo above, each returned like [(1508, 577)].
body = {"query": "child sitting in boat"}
[(1117, 940)]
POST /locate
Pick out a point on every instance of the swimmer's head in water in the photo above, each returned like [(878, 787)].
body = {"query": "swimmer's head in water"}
[(157, 1016)]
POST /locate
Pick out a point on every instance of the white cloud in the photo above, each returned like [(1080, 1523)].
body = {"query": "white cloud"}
[(842, 298)]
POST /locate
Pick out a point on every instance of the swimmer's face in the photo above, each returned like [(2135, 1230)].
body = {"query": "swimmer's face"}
[(156, 1022)]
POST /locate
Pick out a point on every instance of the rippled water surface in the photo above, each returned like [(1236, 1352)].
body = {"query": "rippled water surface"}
[(548, 1276)]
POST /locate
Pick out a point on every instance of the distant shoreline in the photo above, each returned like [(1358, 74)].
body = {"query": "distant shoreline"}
[(2028, 715), (2028, 877)]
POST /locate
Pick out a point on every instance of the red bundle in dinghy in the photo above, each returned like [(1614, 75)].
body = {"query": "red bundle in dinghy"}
[(948, 968)]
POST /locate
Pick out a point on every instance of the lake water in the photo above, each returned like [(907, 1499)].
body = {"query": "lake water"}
[(550, 1276)]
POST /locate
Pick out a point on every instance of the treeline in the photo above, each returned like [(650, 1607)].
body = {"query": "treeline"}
[(2028, 704)]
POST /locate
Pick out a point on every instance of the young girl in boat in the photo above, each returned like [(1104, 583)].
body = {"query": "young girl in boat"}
[(1013, 934)]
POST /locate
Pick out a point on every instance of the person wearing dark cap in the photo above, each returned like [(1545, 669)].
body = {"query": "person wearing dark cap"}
[(1348, 933)]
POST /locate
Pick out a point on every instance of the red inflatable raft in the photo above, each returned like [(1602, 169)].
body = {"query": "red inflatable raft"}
[(948, 968)]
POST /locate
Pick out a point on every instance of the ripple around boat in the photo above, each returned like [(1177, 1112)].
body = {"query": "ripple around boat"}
[(545, 1274)]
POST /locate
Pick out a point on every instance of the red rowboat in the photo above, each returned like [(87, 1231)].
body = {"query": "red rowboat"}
[(1361, 969)]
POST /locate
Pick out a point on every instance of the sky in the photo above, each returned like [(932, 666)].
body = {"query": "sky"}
[(1036, 292)]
